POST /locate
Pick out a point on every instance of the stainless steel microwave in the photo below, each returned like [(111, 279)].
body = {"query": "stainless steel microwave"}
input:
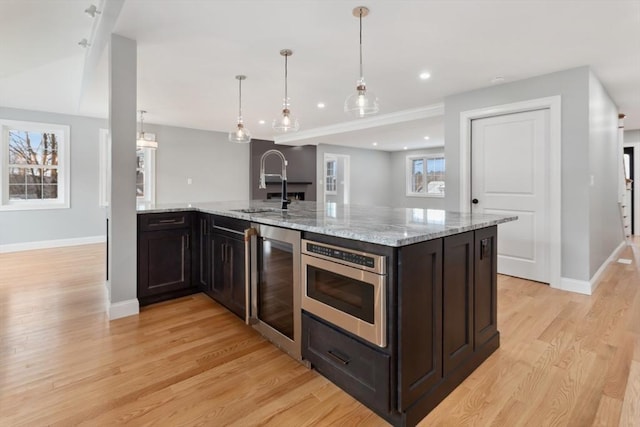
[(347, 288)]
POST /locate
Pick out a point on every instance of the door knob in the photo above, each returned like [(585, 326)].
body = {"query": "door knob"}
[(474, 201)]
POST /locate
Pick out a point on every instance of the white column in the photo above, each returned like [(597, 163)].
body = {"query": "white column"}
[(122, 209)]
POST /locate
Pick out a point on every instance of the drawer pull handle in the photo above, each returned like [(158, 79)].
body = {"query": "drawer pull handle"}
[(337, 358), (170, 221)]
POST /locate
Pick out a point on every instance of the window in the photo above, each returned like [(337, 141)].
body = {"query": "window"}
[(425, 175), (34, 161), (145, 170), (145, 174), (331, 175)]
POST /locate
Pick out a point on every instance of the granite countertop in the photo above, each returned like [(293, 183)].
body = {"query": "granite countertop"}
[(375, 224)]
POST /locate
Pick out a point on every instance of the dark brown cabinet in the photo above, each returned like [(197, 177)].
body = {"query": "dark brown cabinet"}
[(457, 300), (351, 364), (164, 256), (203, 269), (447, 314), (228, 257), (443, 328), (420, 314), (485, 271)]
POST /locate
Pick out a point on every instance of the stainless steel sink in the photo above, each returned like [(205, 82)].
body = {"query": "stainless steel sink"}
[(256, 210)]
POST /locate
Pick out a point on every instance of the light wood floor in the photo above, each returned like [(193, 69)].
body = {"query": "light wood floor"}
[(565, 359)]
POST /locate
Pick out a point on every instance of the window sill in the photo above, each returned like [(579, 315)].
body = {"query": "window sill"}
[(437, 196), (34, 206)]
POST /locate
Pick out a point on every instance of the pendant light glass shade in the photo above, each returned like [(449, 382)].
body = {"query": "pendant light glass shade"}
[(145, 140), (363, 102), (285, 122), (240, 134)]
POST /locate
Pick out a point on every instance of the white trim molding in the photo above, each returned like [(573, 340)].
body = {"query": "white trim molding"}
[(587, 287), (553, 103), (63, 166), (46, 244), (121, 309), (360, 124)]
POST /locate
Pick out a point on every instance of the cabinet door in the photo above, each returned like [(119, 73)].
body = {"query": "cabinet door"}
[(485, 272), (420, 312), (204, 252), (219, 284), (457, 300), (235, 269), (164, 261), (228, 285)]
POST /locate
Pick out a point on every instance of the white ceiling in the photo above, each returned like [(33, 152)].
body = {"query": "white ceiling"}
[(190, 50)]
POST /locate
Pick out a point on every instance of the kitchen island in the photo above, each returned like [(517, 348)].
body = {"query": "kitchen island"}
[(396, 306)]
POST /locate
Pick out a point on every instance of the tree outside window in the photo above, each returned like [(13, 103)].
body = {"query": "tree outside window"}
[(34, 164)]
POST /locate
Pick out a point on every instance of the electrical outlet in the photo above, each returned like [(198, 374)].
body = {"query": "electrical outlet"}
[(189, 181)]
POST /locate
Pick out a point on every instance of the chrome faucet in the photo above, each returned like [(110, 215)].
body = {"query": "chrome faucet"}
[(283, 175)]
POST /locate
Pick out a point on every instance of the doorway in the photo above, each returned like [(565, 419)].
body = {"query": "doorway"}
[(553, 239), (509, 176), (629, 173), (336, 178)]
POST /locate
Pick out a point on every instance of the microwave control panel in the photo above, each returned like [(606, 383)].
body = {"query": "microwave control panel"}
[(341, 254)]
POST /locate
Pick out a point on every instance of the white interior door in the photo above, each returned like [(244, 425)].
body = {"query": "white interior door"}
[(510, 175)]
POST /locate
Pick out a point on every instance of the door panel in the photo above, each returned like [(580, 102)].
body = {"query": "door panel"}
[(510, 176)]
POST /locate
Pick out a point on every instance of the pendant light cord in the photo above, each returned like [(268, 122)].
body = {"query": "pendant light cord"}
[(240, 100), (361, 73), (286, 97)]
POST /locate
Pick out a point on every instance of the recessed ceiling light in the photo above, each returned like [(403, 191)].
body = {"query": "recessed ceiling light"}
[(261, 122), (405, 148), (374, 143), (426, 138), (497, 79), (321, 105), (425, 75)]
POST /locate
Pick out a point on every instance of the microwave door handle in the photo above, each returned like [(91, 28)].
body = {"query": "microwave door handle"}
[(249, 260)]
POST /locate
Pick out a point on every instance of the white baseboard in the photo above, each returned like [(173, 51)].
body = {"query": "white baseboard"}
[(46, 244), (123, 308), (587, 287), (573, 285)]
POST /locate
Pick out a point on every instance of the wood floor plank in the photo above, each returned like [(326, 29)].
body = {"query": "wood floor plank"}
[(631, 407), (565, 359)]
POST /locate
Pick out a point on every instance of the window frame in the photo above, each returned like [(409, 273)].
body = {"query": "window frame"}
[(63, 201), (149, 175), (409, 174), (104, 170), (334, 178)]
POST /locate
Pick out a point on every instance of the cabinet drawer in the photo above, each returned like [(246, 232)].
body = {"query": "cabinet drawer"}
[(164, 221), (233, 224), (355, 367)]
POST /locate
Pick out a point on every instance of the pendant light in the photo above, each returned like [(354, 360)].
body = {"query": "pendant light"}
[(144, 140), (362, 103), (286, 123), (240, 134)]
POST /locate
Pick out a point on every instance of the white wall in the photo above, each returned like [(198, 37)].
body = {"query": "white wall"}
[(577, 135), (219, 169), (84, 218), (605, 228), (370, 174), (399, 196)]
